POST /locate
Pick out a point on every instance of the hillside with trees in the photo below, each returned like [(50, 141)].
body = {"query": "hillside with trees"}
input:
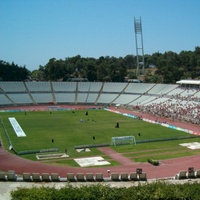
[(167, 67)]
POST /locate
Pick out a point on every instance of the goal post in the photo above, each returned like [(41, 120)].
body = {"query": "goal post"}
[(123, 140)]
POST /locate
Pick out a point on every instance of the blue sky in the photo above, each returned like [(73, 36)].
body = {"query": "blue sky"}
[(33, 31)]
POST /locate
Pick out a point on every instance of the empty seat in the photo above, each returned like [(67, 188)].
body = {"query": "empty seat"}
[(181, 175), (124, 176), (55, 177), (191, 174), (36, 177), (2, 176), (11, 176), (71, 177), (143, 176), (46, 177), (27, 177), (99, 177), (133, 176), (197, 173), (12, 171), (115, 177), (80, 177), (89, 177)]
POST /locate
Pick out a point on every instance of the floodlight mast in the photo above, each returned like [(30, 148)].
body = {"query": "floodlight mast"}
[(139, 46)]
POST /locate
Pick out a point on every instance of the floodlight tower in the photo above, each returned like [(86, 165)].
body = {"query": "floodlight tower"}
[(139, 46)]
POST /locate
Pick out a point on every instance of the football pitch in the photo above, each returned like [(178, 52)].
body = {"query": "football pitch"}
[(64, 130)]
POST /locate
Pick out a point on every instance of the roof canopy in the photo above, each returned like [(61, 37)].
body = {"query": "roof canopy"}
[(189, 82)]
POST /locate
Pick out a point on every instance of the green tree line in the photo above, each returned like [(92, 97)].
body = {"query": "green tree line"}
[(12, 72), (167, 67)]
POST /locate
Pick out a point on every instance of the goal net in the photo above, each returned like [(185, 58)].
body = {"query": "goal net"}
[(123, 140)]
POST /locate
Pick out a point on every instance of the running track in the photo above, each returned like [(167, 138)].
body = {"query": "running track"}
[(167, 168)]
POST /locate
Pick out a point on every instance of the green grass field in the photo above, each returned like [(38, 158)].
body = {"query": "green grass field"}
[(65, 128)]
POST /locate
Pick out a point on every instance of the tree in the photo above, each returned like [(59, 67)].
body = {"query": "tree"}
[(91, 71), (37, 75), (13, 72), (170, 67), (130, 61)]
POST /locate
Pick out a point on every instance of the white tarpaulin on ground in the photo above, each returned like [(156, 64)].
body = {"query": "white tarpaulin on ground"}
[(17, 128), (92, 161), (192, 145), (83, 150)]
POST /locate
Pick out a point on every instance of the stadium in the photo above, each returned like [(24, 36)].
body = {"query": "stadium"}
[(131, 113)]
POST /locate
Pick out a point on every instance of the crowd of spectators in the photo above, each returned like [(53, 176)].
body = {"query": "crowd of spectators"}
[(177, 107)]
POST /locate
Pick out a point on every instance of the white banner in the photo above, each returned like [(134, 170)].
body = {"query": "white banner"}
[(123, 138), (17, 128)]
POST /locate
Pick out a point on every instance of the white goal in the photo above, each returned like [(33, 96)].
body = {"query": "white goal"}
[(123, 140)]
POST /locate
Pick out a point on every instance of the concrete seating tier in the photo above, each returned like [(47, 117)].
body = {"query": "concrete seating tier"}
[(176, 91), (71, 177), (139, 88), (14, 86), (21, 98), (65, 97), (197, 95), (90, 177), (42, 98), (38, 86), (107, 98), (158, 89), (92, 97), (125, 98), (4, 100), (82, 97), (142, 100), (95, 86), (84, 86), (169, 88), (64, 86), (113, 87), (158, 100)]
